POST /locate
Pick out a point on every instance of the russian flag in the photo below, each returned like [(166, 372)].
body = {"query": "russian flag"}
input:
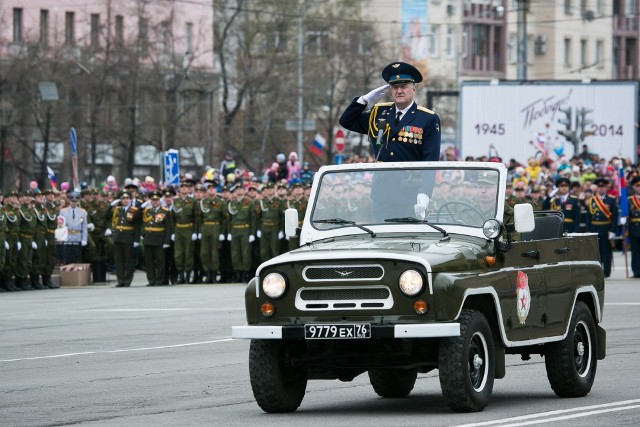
[(52, 178), (317, 147)]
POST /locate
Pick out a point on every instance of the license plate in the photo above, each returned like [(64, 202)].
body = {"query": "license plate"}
[(343, 331)]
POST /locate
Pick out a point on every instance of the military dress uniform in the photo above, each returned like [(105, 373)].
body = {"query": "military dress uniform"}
[(39, 258), (184, 219), (213, 215), (633, 225), (602, 218), (270, 226), (241, 225), (5, 283), (299, 205), (27, 220), (51, 212), (125, 225), (569, 205), (103, 243), (11, 215), (156, 235), (90, 251), (76, 222)]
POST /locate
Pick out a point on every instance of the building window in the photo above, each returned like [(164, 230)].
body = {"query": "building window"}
[(69, 29), (583, 53), (17, 25), (628, 8), (567, 52), (479, 40), (143, 35), (600, 53), (583, 7), (567, 7), (317, 42), (95, 30), (166, 37), (188, 37), (465, 41), (119, 31), (450, 43), (434, 41), (44, 27), (598, 7)]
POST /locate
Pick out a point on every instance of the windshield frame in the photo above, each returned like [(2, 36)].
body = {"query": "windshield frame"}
[(311, 232)]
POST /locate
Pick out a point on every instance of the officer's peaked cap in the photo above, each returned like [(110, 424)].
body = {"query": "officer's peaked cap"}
[(401, 72)]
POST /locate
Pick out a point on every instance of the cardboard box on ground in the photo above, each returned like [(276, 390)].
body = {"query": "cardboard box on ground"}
[(75, 275)]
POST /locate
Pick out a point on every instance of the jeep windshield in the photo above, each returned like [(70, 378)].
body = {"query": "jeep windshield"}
[(454, 194)]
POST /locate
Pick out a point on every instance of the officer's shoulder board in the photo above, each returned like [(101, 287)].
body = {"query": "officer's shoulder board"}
[(571, 196), (426, 110), (164, 208), (384, 104)]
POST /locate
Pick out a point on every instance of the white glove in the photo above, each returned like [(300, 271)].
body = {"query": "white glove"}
[(84, 243), (107, 232), (374, 95), (221, 237), (6, 245), (199, 236), (259, 234), (281, 235), (194, 236), (252, 238), (116, 202), (91, 227), (19, 246), (34, 245), (136, 244), (612, 235), (173, 237), (46, 243), (421, 206), (229, 237), (165, 246), (286, 238), (623, 220), (145, 204)]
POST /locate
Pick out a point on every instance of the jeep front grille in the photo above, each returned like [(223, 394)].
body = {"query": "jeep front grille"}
[(343, 273), (344, 298)]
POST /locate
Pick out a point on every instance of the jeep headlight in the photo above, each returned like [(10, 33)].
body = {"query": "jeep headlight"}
[(411, 282), (492, 228), (274, 285)]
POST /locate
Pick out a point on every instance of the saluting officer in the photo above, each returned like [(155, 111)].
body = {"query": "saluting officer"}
[(634, 226), (125, 225), (409, 132), (602, 218), (567, 203), (213, 212), (184, 218), (156, 234), (241, 233)]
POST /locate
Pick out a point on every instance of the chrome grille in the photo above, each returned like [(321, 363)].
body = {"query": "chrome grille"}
[(327, 273), (344, 298)]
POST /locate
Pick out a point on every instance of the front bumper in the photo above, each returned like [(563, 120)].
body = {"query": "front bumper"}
[(432, 330)]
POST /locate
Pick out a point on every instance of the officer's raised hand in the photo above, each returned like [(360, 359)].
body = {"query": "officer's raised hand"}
[(374, 95)]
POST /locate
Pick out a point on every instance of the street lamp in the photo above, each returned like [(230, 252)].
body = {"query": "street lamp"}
[(6, 114)]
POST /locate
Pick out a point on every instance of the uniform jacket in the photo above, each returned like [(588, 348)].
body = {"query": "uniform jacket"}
[(415, 138), (77, 226), (184, 216), (634, 216), (602, 215), (570, 209), (125, 224), (156, 226), (213, 213)]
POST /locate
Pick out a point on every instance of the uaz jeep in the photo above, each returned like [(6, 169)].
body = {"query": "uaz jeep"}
[(408, 267)]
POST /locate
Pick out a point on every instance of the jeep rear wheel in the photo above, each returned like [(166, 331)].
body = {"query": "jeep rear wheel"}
[(571, 363), (277, 386), (467, 364), (393, 382)]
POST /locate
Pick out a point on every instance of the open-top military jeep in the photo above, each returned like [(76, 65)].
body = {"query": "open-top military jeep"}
[(408, 267)]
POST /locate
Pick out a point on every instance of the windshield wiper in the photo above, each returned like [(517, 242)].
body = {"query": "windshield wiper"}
[(411, 220), (341, 221)]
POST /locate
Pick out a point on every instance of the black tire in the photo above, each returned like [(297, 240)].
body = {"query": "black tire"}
[(571, 363), (393, 382), (467, 364), (276, 387)]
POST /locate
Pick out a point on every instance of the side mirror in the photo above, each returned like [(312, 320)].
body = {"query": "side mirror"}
[(523, 218), (291, 222)]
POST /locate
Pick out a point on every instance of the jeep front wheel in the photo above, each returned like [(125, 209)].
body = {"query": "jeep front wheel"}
[(571, 363), (277, 386), (467, 364), (393, 382)]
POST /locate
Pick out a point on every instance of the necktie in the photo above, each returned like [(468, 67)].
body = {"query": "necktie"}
[(73, 213), (398, 117)]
